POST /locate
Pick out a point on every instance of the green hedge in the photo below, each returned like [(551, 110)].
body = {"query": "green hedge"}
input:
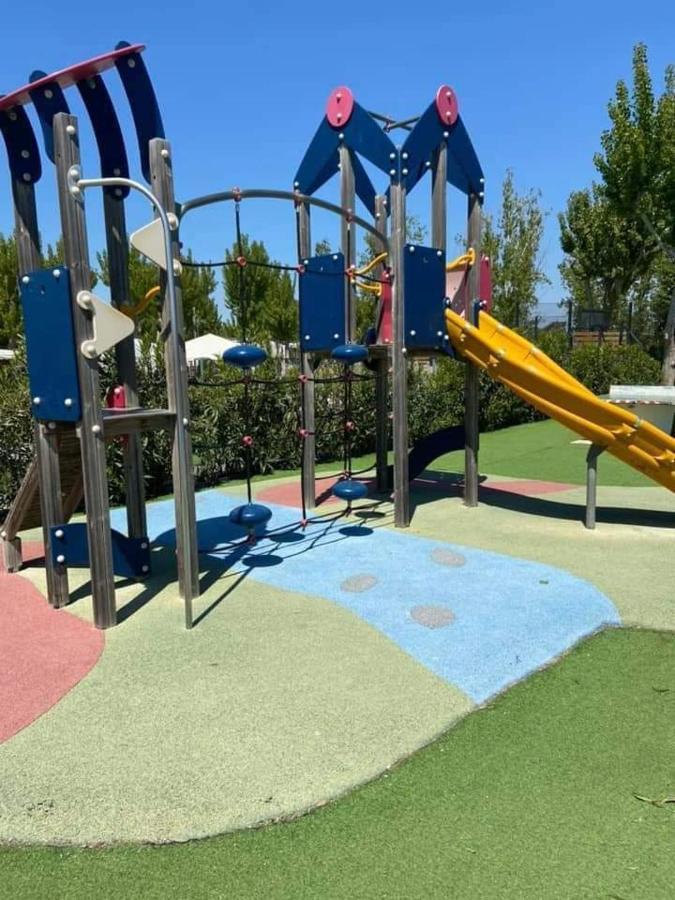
[(219, 415)]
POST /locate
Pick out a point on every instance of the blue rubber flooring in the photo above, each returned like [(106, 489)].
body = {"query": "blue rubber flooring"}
[(479, 620)]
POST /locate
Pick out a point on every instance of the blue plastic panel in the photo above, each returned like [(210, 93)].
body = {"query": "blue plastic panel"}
[(322, 303), (48, 100), (364, 136), (364, 187), (131, 556), (320, 161), (50, 345), (107, 131), (22, 148), (424, 280), (143, 102)]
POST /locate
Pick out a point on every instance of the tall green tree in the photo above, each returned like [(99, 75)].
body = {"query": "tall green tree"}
[(10, 306), (618, 234), (512, 242), (200, 310)]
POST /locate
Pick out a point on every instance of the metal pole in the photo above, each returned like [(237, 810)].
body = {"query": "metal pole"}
[(92, 444), (381, 379), (125, 357), (47, 474), (471, 372), (594, 452), (399, 359), (347, 236), (177, 387), (308, 480)]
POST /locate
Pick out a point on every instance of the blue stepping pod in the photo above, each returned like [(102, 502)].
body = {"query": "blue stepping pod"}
[(349, 353), (350, 490), (245, 356), (250, 515)]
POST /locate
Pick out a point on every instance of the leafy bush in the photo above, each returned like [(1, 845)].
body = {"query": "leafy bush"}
[(220, 417)]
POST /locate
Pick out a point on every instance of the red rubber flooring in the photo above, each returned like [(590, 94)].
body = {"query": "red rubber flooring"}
[(43, 652)]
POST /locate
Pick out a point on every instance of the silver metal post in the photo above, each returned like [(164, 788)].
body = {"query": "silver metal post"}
[(92, 444), (471, 375), (308, 479), (347, 236), (594, 452), (399, 359), (381, 376)]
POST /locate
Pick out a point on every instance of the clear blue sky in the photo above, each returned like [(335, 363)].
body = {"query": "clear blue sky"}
[(242, 89)]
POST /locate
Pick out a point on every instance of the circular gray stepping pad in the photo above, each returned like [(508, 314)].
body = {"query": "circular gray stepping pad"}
[(432, 616), (446, 557), (358, 583)]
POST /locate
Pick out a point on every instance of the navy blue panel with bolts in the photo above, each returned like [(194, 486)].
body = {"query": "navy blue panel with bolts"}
[(143, 102), (50, 345), (107, 132), (69, 547), (22, 148), (322, 303), (424, 296), (48, 101)]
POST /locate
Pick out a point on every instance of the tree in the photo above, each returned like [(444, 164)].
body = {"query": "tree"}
[(10, 306), (616, 235), (512, 244), (200, 312)]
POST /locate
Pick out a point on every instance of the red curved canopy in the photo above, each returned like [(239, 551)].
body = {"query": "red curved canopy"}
[(72, 75)]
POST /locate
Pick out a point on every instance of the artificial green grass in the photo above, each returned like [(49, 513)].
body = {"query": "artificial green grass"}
[(532, 797), (542, 451)]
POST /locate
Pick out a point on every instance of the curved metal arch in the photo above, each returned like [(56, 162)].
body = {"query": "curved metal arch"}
[(270, 194)]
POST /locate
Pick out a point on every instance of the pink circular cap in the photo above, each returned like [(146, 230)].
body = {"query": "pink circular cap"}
[(339, 107), (446, 105)]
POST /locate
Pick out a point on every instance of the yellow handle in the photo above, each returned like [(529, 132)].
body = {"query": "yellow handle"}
[(134, 311)]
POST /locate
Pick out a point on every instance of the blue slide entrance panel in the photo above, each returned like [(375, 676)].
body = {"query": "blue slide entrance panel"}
[(424, 279), (50, 345), (322, 303)]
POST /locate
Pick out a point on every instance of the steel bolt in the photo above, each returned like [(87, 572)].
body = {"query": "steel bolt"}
[(60, 559), (165, 153), (96, 429), (56, 273), (68, 402), (25, 279), (36, 401), (58, 533), (70, 129), (392, 172)]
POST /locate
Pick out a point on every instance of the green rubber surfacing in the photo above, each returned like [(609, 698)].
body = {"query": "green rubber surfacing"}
[(531, 797)]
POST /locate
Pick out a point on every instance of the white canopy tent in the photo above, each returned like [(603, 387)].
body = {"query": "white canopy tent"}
[(208, 346)]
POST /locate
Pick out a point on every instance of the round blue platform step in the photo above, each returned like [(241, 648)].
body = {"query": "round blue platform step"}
[(245, 356), (349, 354), (350, 490), (250, 514)]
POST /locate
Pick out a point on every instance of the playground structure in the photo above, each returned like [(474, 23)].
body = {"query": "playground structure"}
[(425, 306)]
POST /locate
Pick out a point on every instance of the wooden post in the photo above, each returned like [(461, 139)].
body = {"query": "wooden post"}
[(381, 380), (439, 198), (308, 485), (399, 359), (347, 237), (76, 251), (177, 390), (48, 480), (471, 372), (125, 357), (594, 452)]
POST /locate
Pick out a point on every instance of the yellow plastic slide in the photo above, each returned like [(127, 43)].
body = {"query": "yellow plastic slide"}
[(528, 372)]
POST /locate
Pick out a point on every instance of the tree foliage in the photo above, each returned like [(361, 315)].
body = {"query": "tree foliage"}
[(200, 310), (614, 233), (512, 244), (259, 295)]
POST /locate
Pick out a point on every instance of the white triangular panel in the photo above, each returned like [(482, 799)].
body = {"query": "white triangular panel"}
[(110, 326), (149, 240)]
